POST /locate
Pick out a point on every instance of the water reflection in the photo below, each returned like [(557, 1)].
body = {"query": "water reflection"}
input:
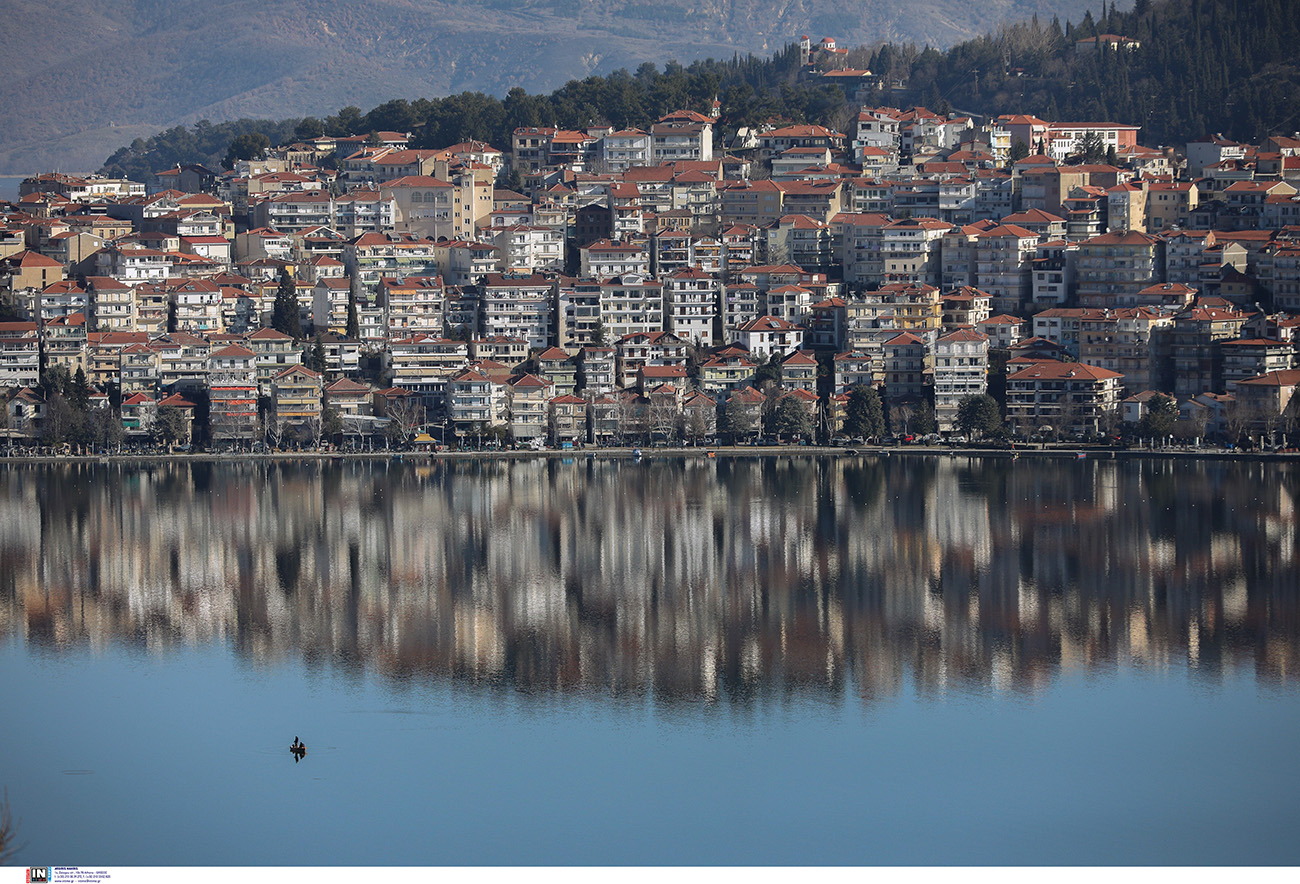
[(697, 578)]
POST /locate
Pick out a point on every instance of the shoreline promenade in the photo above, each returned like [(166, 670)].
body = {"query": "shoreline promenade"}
[(633, 453)]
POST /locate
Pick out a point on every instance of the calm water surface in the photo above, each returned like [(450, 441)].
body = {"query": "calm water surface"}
[(770, 661)]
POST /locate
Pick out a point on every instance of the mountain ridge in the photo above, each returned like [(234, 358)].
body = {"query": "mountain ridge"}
[(79, 82)]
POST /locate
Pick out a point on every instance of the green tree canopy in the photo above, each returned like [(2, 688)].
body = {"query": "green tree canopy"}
[(738, 420), (1160, 417), (169, 425), (793, 418), (768, 371), (864, 416), (308, 128), (62, 422), (79, 391), (248, 146), (331, 422), (978, 417)]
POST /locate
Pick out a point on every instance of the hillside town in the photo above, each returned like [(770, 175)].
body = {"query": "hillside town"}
[(663, 284)]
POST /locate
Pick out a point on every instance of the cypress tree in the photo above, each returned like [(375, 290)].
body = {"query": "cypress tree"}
[(284, 315), (353, 330), (79, 390), (316, 357)]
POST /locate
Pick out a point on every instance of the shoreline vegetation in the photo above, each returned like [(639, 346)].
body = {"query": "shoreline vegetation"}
[(1038, 450)]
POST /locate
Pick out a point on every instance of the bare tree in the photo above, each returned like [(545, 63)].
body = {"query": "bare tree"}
[(1109, 421), (1291, 416), (307, 431), (553, 423), (663, 416), (407, 415), (696, 425), (1023, 38), (626, 413), (105, 427), (355, 425), (771, 391), (8, 830), (1237, 417), (1070, 416), (900, 417), (272, 429), (5, 422), (1186, 431), (1270, 423), (845, 117)]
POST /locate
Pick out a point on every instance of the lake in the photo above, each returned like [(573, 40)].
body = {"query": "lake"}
[(9, 186), (762, 660)]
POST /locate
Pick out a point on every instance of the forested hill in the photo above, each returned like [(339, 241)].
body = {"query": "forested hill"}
[(1203, 66), (751, 89), (1229, 66)]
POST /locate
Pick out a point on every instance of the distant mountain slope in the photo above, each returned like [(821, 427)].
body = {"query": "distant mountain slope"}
[(78, 80)]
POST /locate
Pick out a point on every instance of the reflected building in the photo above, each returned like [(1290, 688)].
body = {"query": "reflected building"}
[(728, 578)]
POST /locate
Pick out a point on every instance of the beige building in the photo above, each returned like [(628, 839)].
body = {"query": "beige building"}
[(232, 394), (1170, 203), (427, 207), (1265, 399), (1071, 398), (526, 403), (961, 364), (296, 397), (568, 419), (276, 352), (30, 270), (1113, 268)]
